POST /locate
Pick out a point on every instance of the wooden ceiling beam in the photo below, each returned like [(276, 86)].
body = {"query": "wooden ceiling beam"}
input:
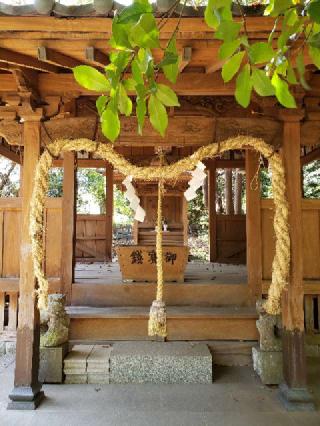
[(20, 60), (191, 84), (188, 26), (185, 57), (311, 156), (57, 58), (94, 55), (11, 155)]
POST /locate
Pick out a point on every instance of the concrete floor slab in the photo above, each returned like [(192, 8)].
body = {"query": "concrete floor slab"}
[(236, 398)]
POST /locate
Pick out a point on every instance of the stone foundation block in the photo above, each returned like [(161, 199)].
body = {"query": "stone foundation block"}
[(268, 366), (51, 363), (99, 360), (76, 360), (99, 379), (158, 362), (76, 379)]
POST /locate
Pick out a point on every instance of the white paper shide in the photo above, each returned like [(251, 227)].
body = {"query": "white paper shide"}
[(133, 199), (198, 177)]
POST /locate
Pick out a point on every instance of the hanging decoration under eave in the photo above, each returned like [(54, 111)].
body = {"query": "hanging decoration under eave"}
[(197, 180), (134, 200)]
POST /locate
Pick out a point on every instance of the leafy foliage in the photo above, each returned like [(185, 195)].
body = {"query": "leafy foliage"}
[(134, 34), (268, 68), (299, 25)]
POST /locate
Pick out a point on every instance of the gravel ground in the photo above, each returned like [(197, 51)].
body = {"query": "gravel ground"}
[(6, 360)]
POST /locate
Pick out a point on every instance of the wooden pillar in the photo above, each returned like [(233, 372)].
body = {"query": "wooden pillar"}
[(228, 191), (293, 391), (185, 219), (68, 224), (238, 193), (212, 176), (253, 227), (27, 392), (109, 211)]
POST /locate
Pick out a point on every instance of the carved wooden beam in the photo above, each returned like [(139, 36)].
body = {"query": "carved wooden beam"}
[(19, 59), (56, 58), (12, 132), (182, 131)]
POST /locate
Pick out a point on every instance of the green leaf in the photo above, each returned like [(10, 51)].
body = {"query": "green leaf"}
[(129, 84), (169, 58), (260, 52), (143, 60), (291, 76), (231, 67), (228, 30), (314, 10), (261, 83), (141, 110), (167, 96), (276, 7), (228, 48), (131, 14), (120, 60), (124, 102), (101, 103), (158, 115), (110, 123), (171, 71), (244, 87), (136, 72), (91, 79), (119, 39), (216, 11), (314, 53), (282, 92), (145, 33), (314, 41), (301, 70), (210, 17)]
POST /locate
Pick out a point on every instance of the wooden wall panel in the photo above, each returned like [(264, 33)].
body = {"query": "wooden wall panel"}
[(91, 237), (11, 243), (10, 231), (231, 239), (310, 233), (311, 243)]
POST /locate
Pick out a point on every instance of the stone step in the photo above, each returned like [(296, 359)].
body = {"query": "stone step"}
[(158, 362), (183, 323), (139, 362)]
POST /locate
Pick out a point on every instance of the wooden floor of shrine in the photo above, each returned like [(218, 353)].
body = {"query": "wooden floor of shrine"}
[(212, 304), (196, 273)]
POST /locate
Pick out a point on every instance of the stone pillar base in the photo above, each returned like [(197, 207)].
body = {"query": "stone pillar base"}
[(51, 363), (296, 399), (268, 366), (25, 398)]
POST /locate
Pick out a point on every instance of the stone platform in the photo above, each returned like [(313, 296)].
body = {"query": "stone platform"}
[(139, 362)]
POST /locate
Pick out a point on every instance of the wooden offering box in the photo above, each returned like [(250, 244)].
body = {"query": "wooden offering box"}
[(138, 263)]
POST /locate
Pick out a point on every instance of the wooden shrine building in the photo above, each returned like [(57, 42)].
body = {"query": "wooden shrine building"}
[(41, 102)]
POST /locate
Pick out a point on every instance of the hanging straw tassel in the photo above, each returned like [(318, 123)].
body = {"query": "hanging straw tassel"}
[(157, 325)]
